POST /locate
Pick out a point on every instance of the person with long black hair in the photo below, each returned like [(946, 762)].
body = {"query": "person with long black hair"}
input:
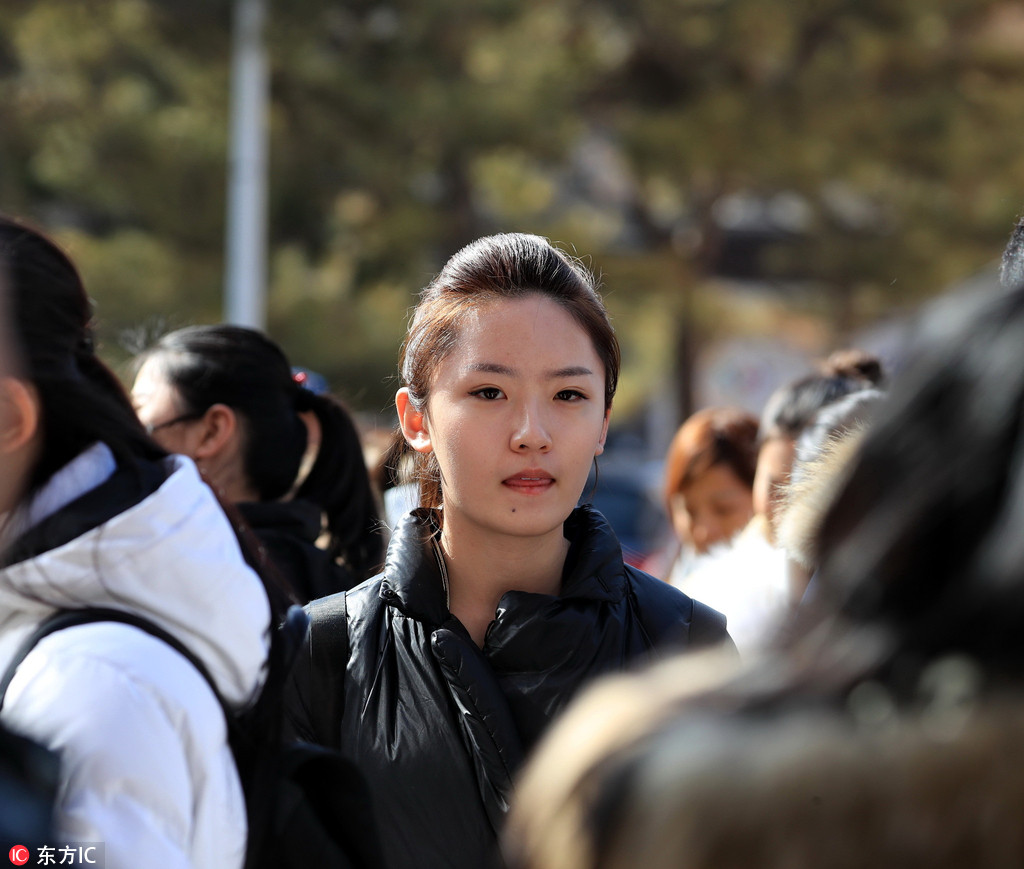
[(226, 397), (96, 515)]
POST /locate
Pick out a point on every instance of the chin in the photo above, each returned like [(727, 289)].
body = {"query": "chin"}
[(521, 524)]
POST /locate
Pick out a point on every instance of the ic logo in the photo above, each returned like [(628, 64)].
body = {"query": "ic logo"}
[(19, 855)]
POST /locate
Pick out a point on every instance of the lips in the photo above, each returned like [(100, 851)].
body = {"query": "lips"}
[(530, 481)]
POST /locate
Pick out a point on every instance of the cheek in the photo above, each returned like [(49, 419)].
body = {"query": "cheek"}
[(739, 519), (585, 433), (681, 523), (174, 441), (456, 443), (762, 490)]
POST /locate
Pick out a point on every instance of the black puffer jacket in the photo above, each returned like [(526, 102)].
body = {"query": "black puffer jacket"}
[(439, 726), (288, 531)]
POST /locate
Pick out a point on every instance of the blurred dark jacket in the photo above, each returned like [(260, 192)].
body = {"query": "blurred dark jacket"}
[(288, 531)]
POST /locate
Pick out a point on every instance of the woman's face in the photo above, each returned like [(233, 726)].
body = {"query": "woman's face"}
[(160, 409), (711, 508), (515, 416), (774, 463)]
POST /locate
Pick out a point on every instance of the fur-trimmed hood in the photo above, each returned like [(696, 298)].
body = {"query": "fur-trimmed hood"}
[(809, 498)]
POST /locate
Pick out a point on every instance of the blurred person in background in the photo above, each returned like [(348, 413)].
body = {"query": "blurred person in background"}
[(721, 556), (791, 409), (226, 397), (824, 453), (753, 580), (709, 477), (500, 597), (881, 729), (96, 515)]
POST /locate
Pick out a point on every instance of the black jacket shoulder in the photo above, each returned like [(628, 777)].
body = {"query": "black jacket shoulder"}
[(288, 531)]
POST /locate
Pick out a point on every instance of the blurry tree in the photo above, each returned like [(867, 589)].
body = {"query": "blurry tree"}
[(868, 150), (877, 137)]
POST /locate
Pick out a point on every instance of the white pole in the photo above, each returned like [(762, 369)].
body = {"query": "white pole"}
[(245, 279)]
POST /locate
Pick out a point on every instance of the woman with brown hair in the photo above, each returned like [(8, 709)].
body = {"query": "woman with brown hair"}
[(709, 475), (723, 556), (499, 597)]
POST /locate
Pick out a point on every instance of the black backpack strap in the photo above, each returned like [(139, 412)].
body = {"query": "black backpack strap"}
[(71, 618), (707, 626), (328, 651)]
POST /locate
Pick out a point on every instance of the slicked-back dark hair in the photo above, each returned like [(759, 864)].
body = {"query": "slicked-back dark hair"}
[(792, 407)]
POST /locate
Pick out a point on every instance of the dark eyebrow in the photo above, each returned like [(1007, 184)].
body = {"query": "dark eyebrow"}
[(571, 371), (495, 368)]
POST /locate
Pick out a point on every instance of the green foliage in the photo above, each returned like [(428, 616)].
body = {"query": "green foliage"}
[(400, 131)]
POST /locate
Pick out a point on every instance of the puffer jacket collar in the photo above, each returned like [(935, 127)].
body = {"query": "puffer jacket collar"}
[(416, 582), (593, 568)]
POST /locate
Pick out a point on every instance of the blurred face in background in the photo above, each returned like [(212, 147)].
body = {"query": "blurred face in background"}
[(774, 463), (161, 410), (711, 508)]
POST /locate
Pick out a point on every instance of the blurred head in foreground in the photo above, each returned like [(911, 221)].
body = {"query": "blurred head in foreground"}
[(882, 730), (718, 787), (61, 398), (791, 409)]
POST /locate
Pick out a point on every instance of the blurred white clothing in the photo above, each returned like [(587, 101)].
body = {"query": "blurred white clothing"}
[(747, 579)]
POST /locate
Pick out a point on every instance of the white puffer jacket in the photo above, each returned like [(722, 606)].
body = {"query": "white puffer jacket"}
[(145, 764)]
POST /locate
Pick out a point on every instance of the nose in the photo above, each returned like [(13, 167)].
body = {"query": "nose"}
[(530, 434), (705, 534)]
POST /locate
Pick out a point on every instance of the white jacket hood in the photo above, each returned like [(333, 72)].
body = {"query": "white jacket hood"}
[(172, 558)]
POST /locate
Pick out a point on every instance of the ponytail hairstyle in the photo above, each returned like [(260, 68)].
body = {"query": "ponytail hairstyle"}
[(243, 369), (497, 267), (792, 408), (82, 401)]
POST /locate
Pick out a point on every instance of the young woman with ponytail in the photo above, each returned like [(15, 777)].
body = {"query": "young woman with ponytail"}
[(226, 397), (500, 597)]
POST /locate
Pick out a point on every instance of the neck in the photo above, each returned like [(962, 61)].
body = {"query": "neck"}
[(230, 483), (482, 567)]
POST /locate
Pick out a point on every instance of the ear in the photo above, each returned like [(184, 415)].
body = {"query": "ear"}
[(413, 422), (218, 429), (19, 415), (604, 432)]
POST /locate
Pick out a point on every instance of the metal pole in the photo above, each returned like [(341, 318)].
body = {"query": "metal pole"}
[(245, 278)]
